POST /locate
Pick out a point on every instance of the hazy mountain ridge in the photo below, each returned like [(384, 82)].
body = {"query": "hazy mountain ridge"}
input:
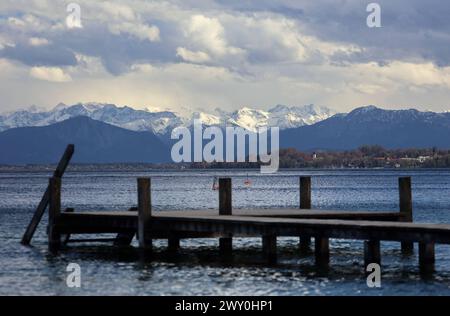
[(95, 142)]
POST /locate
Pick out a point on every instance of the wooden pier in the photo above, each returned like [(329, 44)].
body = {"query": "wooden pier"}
[(267, 224)]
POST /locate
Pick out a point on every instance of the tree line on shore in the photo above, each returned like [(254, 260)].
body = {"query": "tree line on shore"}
[(370, 156), (367, 157)]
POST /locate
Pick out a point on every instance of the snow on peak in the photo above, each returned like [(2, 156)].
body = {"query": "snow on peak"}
[(34, 109), (285, 116), (206, 119), (59, 107), (248, 118)]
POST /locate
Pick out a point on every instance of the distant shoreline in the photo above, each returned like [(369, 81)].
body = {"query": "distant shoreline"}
[(133, 167)]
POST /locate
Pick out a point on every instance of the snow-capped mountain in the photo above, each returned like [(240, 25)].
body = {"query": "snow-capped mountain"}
[(291, 117), (162, 122), (125, 117), (281, 116)]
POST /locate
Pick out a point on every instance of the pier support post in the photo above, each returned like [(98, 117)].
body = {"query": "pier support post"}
[(226, 246), (405, 195), (269, 244), (125, 239), (372, 253), (225, 208), (322, 251), (173, 244), (66, 238), (305, 244), (305, 193), (305, 203), (54, 236), (144, 213), (225, 200), (426, 256)]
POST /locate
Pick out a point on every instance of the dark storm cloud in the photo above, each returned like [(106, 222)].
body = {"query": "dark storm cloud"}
[(47, 55), (118, 52)]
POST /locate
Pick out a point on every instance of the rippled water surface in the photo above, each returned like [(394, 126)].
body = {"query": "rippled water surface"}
[(198, 269)]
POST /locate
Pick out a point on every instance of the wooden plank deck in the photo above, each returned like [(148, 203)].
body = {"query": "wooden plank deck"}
[(124, 221), (242, 224), (342, 229), (269, 212), (297, 213)]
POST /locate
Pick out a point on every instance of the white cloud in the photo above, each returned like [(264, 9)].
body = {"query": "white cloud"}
[(209, 34), (118, 11), (29, 22), (13, 21), (38, 41), (195, 57), (142, 68), (404, 73), (140, 31), (53, 74)]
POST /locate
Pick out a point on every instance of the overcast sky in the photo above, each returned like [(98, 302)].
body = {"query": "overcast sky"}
[(225, 53)]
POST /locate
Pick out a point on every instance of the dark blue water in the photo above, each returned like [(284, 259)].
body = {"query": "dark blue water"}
[(198, 269)]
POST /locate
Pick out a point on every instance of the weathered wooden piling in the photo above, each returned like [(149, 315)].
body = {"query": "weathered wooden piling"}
[(225, 198), (305, 204), (322, 250), (54, 235), (66, 238), (144, 213), (125, 238), (269, 244), (426, 256), (173, 244), (372, 253), (225, 208), (406, 209), (305, 193)]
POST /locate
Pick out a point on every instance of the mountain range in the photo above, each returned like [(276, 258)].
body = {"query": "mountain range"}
[(162, 122), (110, 134), (372, 126)]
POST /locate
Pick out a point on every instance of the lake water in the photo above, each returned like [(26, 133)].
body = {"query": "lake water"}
[(198, 269)]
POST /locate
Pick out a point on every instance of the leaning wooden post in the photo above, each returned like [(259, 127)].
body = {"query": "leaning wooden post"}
[(305, 203), (54, 236), (225, 208), (37, 216), (144, 213), (406, 209)]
